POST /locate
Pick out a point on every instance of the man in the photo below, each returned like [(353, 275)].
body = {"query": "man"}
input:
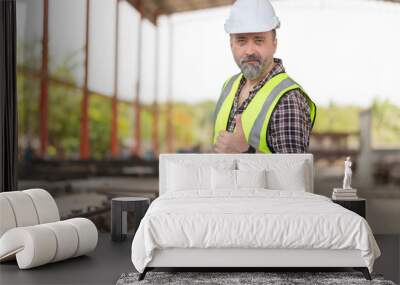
[(260, 109)]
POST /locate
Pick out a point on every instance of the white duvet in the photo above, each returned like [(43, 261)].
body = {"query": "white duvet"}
[(251, 218)]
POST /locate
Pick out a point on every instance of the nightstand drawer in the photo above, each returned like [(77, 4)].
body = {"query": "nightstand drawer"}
[(357, 206)]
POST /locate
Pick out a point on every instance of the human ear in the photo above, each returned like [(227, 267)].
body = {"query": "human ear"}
[(275, 43)]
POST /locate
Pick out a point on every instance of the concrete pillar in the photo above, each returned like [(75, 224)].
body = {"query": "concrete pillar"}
[(365, 158)]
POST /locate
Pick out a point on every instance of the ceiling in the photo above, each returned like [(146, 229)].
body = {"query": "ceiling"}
[(151, 9)]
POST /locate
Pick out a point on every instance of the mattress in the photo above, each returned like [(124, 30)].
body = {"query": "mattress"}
[(250, 218)]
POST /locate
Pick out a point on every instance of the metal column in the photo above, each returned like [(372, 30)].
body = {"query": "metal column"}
[(44, 90), (169, 129), (8, 99), (156, 90), (84, 143), (365, 157), (114, 102), (137, 141)]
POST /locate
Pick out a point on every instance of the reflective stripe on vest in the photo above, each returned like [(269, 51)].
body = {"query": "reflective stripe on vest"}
[(256, 116), (226, 90)]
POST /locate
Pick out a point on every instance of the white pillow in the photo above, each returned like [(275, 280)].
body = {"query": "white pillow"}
[(187, 177), (292, 178), (281, 174), (251, 178), (223, 179)]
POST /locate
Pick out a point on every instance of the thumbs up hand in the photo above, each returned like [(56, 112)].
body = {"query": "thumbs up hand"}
[(232, 142), (239, 128)]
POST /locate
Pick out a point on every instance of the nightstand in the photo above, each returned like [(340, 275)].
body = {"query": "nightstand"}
[(119, 210), (357, 205)]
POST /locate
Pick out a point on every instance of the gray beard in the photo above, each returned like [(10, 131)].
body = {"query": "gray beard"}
[(251, 71)]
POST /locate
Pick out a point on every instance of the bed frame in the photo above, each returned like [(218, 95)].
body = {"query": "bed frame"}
[(242, 259)]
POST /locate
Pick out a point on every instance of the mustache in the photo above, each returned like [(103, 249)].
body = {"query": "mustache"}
[(250, 58)]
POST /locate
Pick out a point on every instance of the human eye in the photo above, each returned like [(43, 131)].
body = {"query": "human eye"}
[(240, 41), (259, 41)]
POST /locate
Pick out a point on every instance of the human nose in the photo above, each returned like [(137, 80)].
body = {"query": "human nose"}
[(250, 48)]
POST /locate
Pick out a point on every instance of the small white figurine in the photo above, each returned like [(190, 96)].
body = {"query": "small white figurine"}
[(347, 174)]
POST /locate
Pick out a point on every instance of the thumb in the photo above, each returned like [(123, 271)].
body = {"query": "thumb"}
[(238, 120)]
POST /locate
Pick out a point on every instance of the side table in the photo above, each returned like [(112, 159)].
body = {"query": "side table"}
[(119, 212), (357, 205)]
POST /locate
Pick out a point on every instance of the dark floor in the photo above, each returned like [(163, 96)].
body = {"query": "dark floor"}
[(111, 259), (102, 266)]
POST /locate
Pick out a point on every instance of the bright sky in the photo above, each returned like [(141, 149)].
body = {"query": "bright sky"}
[(346, 51)]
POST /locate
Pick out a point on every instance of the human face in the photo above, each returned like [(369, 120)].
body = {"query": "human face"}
[(253, 52)]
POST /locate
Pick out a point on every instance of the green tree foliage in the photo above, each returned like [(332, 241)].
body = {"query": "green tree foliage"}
[(64, 116), (28, 108), (99, 126), (63, 121), (28, 92), (385, 124), (337, 118)]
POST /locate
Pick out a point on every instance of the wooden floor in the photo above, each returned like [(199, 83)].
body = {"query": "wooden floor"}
[(111, 259)]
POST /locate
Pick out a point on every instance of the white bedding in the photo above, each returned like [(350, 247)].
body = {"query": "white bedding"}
[(250, 218)]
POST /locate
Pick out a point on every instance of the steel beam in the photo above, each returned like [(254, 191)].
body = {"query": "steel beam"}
[(84, 143), (114, 101), (137, 140), (155, 144), (44, 89), (169, 129)]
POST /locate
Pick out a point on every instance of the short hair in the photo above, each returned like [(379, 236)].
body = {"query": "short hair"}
[(273, 34)]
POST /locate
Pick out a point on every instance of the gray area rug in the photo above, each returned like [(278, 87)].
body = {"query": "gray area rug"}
[(273, 278)]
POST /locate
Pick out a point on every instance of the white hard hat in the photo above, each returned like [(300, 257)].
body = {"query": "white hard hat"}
[(251, 16)]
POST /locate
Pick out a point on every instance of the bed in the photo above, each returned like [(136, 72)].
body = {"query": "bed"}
[(246, 211)]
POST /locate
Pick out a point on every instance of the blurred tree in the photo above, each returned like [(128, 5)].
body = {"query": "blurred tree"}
[(125, 125), (336, 118), (99, 126), (385, 124), (28, 92), (63, 118)]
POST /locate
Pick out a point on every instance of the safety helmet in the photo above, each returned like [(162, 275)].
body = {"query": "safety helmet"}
[(251, 16)]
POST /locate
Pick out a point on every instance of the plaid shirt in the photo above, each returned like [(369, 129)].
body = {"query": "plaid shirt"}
[(290, 126)]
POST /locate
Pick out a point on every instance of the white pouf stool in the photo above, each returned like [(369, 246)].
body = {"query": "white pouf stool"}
[(31, 230)]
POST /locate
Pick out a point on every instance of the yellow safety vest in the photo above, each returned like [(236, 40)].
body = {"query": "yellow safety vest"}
[(256, 116)]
